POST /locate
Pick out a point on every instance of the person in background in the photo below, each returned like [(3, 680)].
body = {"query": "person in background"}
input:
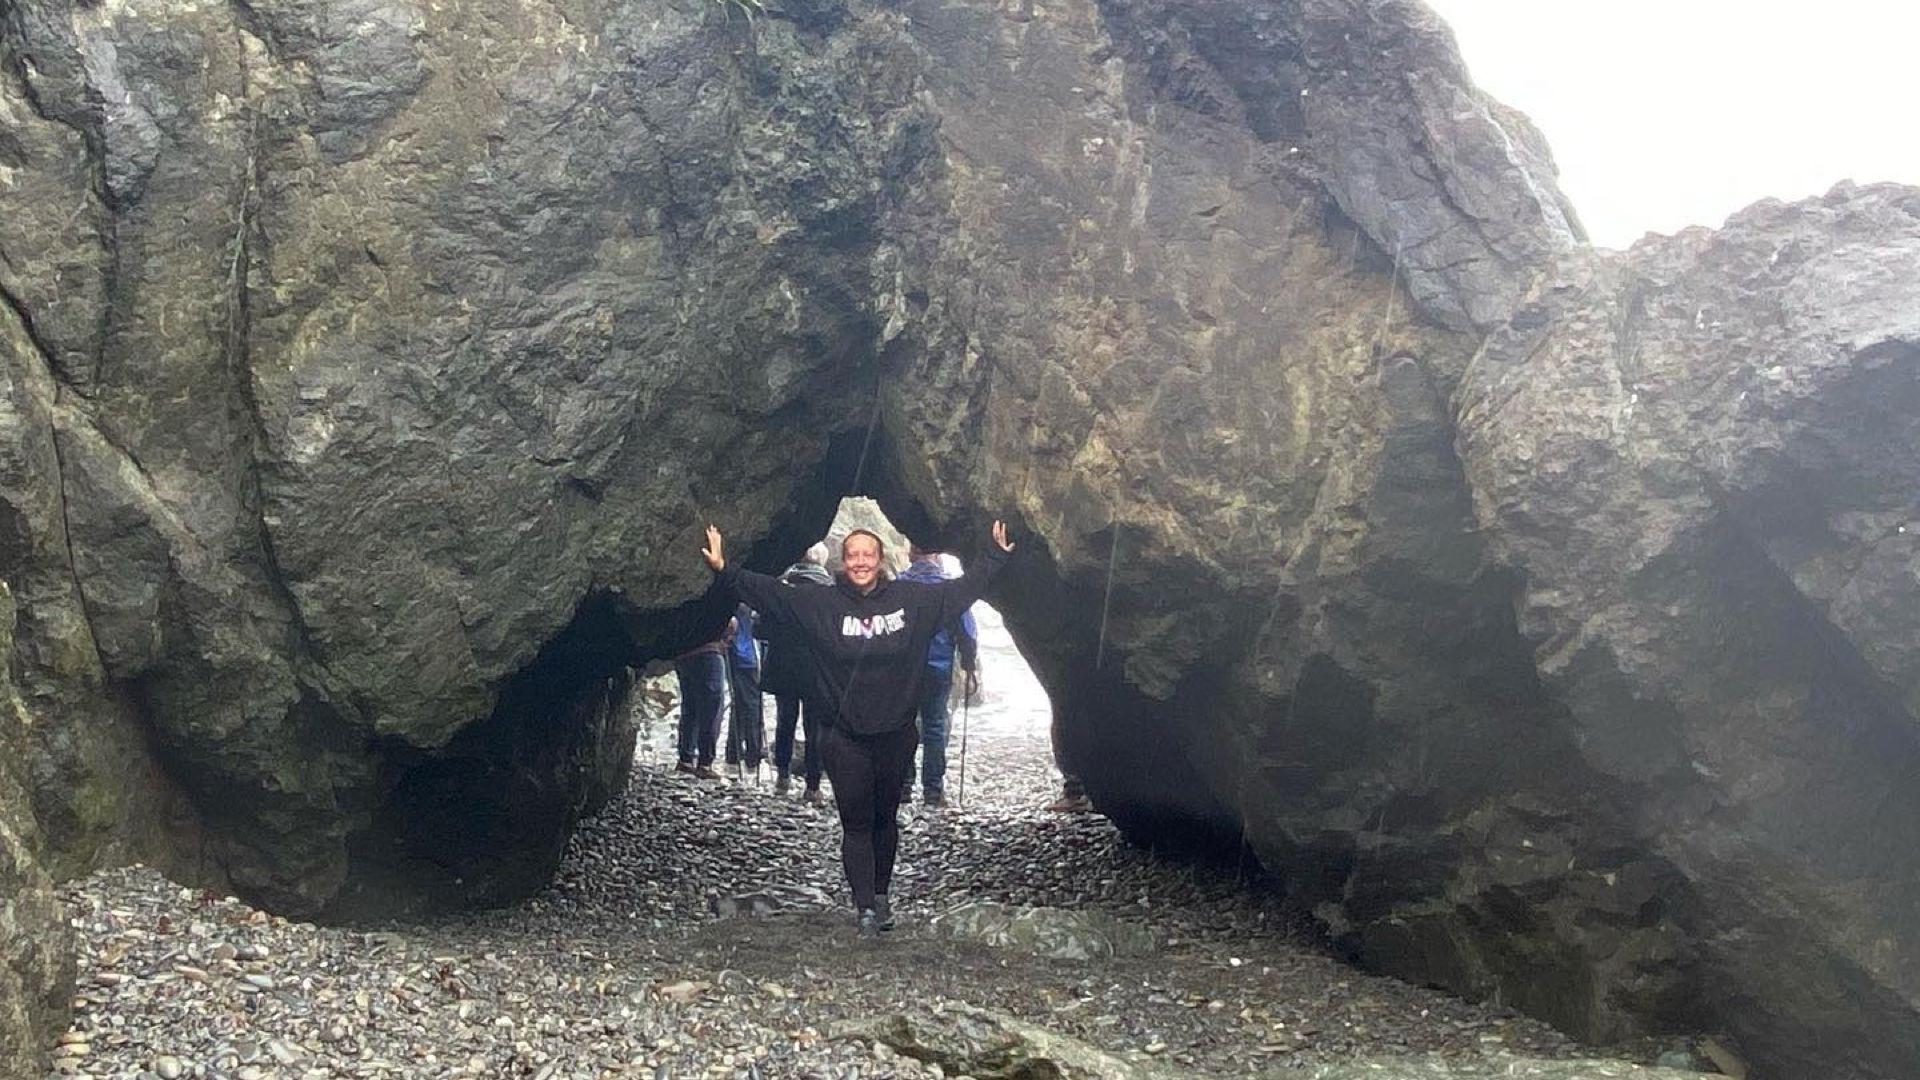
[(784, 674), (957, 640), (868, 638), (702, 672), (746, 733)]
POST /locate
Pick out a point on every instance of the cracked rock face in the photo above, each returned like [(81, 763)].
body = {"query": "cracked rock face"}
[(36, 957), (373, 366)]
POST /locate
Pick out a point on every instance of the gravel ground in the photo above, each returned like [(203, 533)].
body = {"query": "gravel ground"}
[(630, 964)]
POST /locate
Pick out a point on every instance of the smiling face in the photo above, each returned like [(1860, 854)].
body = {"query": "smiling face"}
[(860, 558)]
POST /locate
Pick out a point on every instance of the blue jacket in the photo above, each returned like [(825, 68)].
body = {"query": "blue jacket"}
[(745, 655), (940, 652)]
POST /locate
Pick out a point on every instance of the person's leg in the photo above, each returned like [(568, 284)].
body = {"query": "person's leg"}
[(786, 717), (933, 734), (892, 766), (689, 739), (747, 705), (850, 763), (736, 715), (810, 722), (906, 779), (730, 714), (713, 693)]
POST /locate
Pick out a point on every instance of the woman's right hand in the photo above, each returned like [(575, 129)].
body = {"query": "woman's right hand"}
[(715, 551)]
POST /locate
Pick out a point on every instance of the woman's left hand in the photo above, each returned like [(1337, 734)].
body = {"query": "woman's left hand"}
[(1000, 536)]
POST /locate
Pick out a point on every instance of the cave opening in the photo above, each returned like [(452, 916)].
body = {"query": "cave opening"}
[(1012, 846), (998, 739), (484, 820), (570, 795)]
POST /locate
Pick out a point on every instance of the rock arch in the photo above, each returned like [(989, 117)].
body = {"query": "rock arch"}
[(367, 392)]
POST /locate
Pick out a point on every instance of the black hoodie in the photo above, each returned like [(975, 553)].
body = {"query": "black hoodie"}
[(787, 669), (868, 651)]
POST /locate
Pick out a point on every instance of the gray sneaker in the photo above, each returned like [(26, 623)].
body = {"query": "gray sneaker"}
[(883, 912), (869, 924), (782, 785)]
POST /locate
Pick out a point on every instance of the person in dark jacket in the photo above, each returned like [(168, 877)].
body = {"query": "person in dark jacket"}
[(784, 674), (956, 641), (868, 640), (703, 697), (746, 733)]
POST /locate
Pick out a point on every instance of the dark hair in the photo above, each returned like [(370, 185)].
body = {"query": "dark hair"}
[(879, 544)]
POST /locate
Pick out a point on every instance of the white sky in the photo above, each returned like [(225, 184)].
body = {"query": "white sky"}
[(1669, 113)]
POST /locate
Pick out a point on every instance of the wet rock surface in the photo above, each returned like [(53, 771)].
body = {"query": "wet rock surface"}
[(622, 968)]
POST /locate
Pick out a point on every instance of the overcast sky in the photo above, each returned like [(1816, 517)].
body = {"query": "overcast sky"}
[(1669, 113)]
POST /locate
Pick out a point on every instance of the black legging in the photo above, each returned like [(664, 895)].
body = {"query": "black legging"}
[(792, 712), (867, 773)]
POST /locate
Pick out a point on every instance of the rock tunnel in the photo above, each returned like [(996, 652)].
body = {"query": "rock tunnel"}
[(1540, 616)]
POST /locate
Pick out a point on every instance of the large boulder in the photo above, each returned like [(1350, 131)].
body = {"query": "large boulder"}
[(1587, 684), (1175, 314), (36, 953), (1702, 461), (1222, 408), (387, 359)]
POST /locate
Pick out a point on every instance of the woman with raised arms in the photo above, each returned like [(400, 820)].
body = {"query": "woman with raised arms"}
[(868, 638)]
